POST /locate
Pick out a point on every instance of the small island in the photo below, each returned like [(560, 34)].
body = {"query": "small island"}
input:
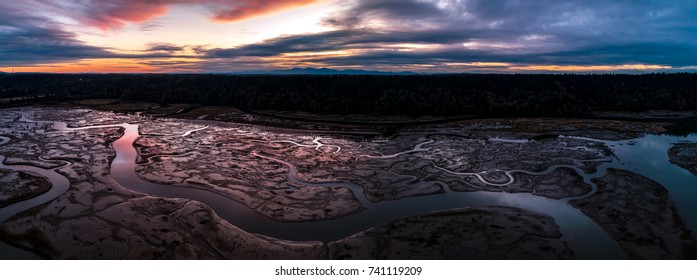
[(685, 156)]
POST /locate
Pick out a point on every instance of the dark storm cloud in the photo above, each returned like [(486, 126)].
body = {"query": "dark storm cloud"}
[(663, 53), (525, 32), (374, 45), (302, 43), (163, 47), (356, 15), (26, 39), (337, 40)]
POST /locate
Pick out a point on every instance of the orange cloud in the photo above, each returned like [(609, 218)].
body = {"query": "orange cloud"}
[(252, 8), (590, 68), (90, 65)]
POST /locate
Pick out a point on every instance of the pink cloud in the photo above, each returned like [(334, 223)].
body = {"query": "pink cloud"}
[(111, 14), (252, 8), (114, 14)]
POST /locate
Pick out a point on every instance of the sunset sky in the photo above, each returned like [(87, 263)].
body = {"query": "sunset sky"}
[(430, 36)]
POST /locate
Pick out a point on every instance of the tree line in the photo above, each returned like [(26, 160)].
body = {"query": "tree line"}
[(446, 95)]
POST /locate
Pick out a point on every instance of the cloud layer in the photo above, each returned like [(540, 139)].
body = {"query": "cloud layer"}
[(110, 14), (417, 35), (27, 39), (240, 10), (436, 33)]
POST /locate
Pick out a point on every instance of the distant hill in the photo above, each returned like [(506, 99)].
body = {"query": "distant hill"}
[(318, 71)]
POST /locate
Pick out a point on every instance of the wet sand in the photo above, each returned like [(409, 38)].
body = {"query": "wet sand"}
[(638, 213), (296, 176), (471, 233), (685, 156)]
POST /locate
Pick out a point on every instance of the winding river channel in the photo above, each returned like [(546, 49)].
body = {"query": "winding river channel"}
[(646, 156)]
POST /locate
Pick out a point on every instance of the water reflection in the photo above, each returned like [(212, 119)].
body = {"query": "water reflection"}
[(586, 238), (649, 157), (646, 156), (682, 128)]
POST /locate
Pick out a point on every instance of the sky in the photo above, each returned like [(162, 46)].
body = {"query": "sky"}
[(430, 36)]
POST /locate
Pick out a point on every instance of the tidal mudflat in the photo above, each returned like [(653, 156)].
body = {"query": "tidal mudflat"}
[(138, 187), (685, 156), (19, 186)]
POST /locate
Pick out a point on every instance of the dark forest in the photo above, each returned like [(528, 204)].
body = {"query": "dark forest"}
[(445, 95)]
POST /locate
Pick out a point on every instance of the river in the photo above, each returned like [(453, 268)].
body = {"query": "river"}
[(646, 156)]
